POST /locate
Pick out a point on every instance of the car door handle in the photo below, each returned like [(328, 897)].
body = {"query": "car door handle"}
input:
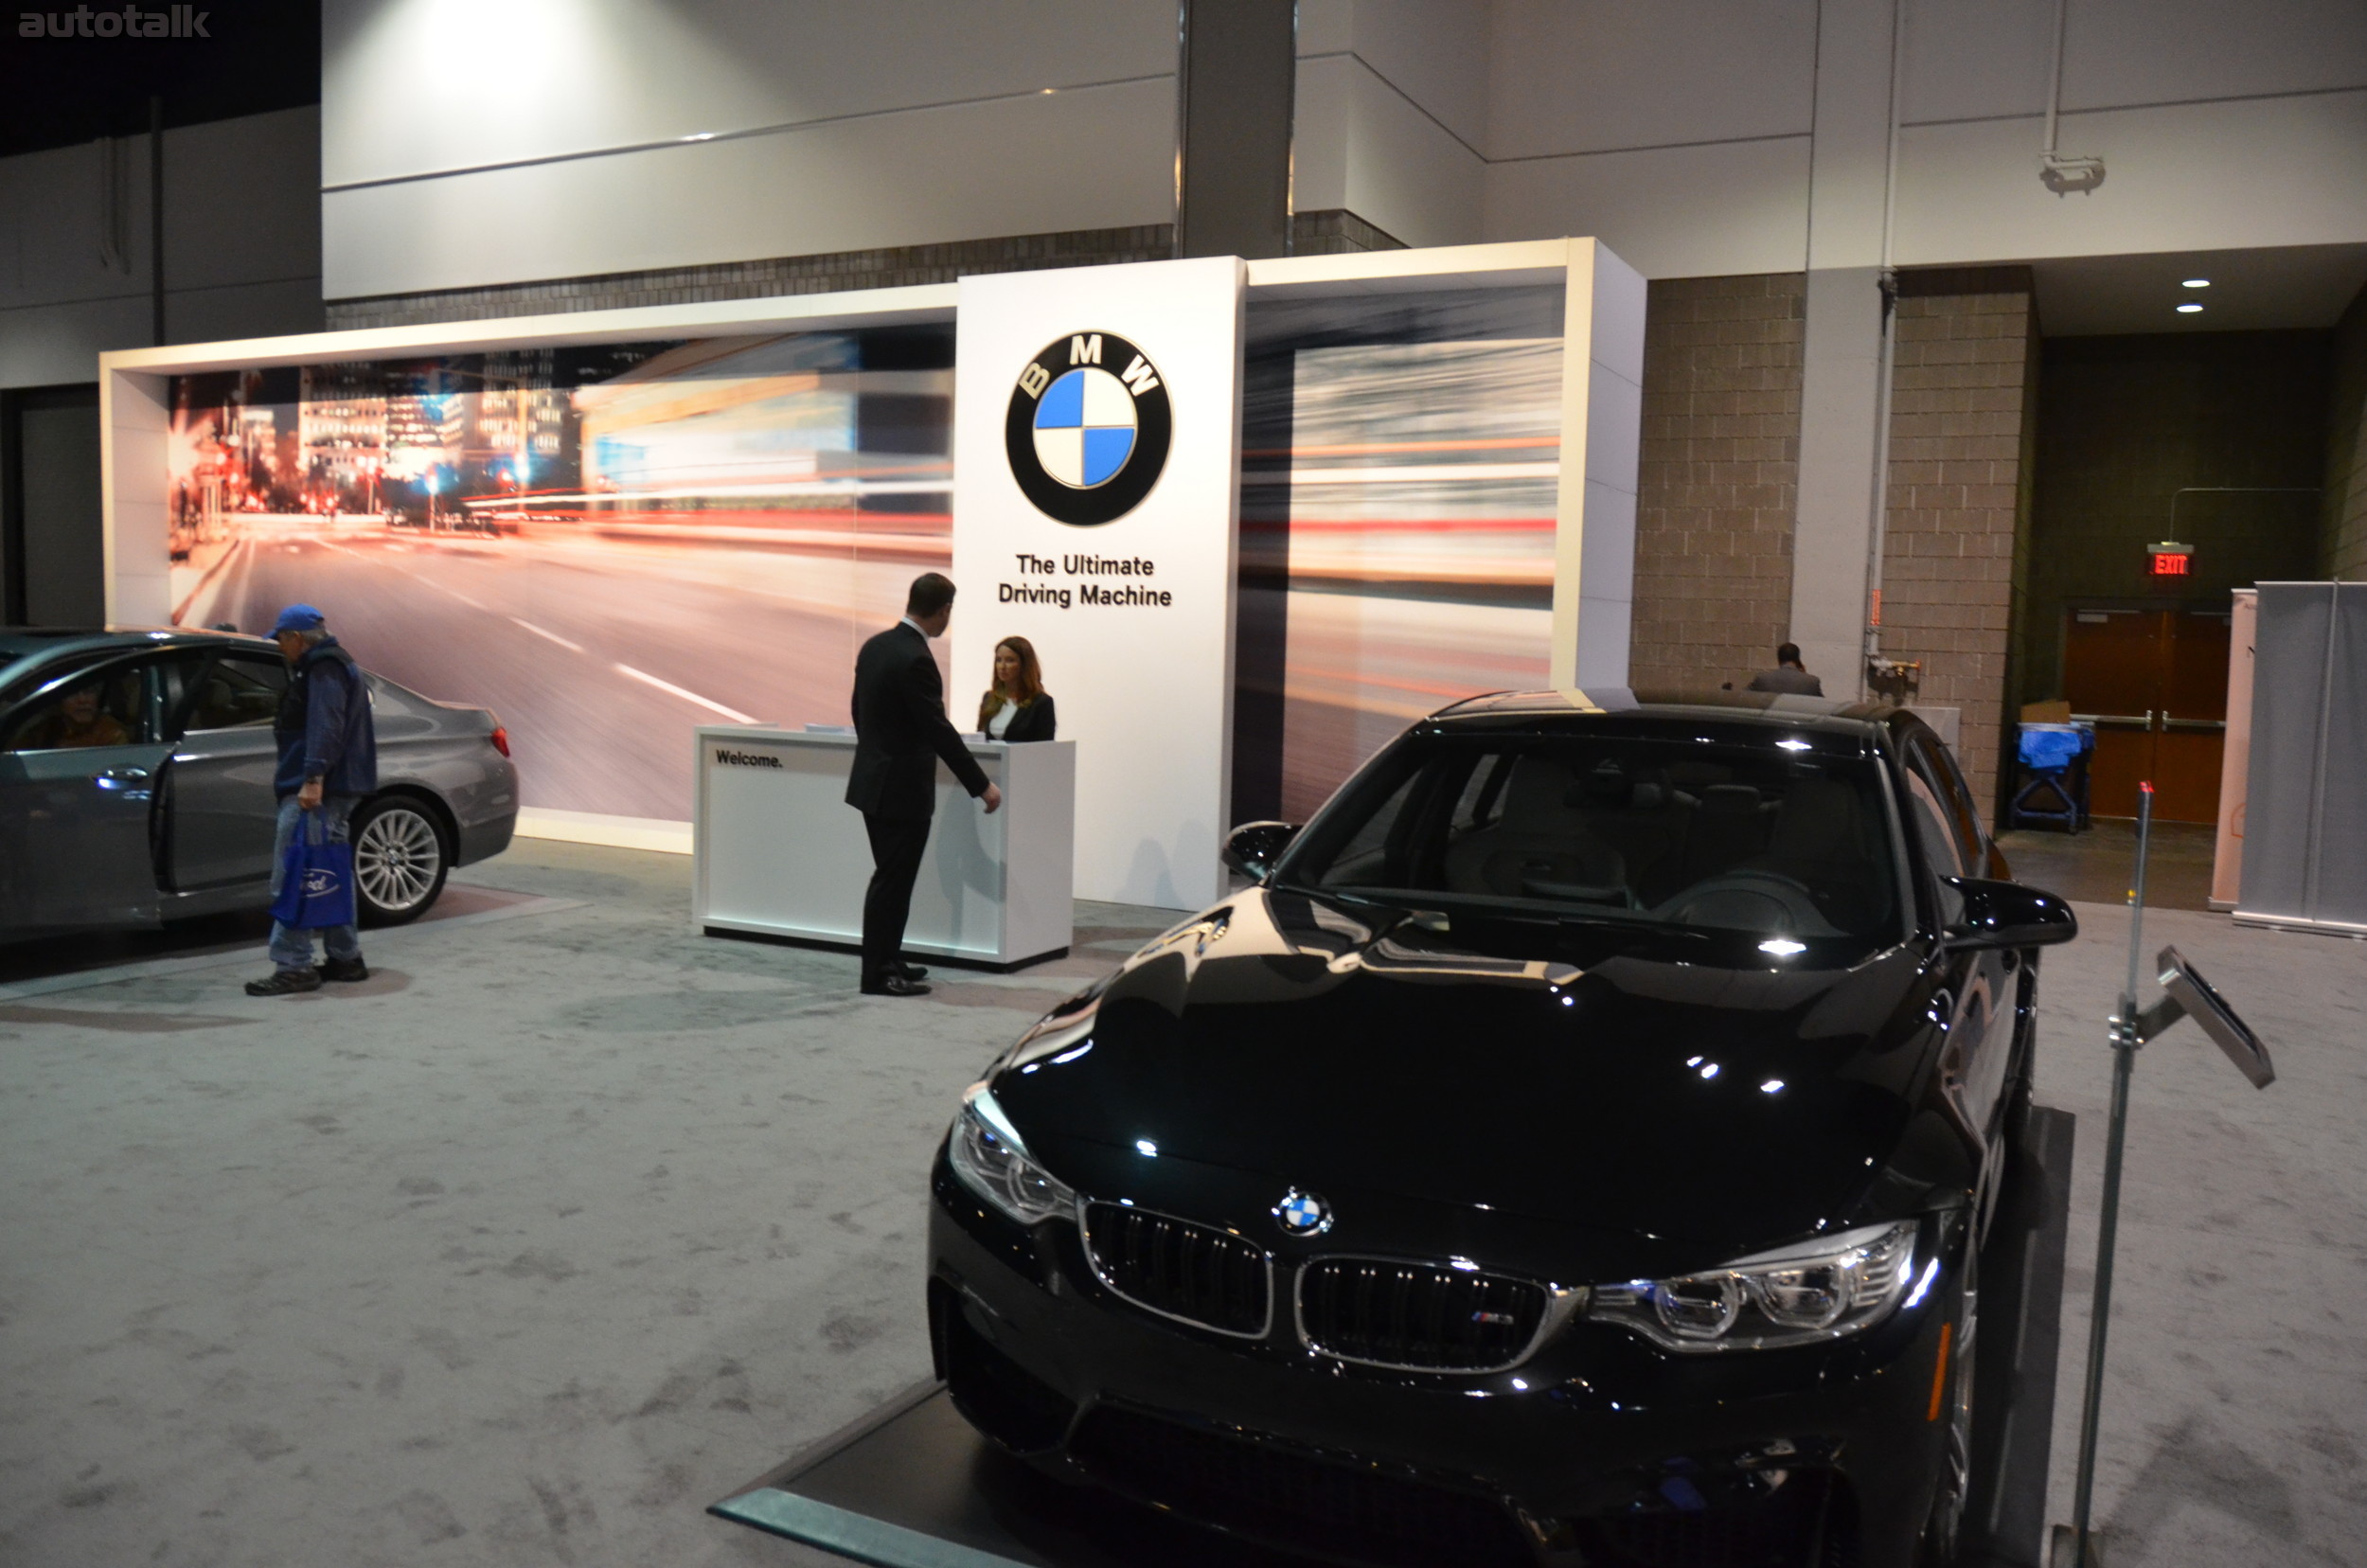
[(109, 777)]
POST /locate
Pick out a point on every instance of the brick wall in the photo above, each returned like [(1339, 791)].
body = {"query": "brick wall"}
[(790, 274), (1327, 233), (1965, 371), (1718, 479), (2344, 512), (1338, 232)]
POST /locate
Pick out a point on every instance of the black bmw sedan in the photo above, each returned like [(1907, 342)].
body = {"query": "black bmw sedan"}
[(1572, 1148)]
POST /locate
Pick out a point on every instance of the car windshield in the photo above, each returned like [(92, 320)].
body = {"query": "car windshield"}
[(1780, 838)]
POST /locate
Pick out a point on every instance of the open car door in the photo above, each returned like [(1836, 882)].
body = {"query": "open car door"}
[(79, 760)]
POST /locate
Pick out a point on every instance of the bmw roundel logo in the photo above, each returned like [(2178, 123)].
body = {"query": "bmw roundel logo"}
[(1303, 1213), (1088, 429)]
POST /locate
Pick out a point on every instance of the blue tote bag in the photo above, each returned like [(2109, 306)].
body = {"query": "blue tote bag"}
[(315, 882)]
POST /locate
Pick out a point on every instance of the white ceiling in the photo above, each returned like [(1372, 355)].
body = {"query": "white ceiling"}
[(2287, 286)]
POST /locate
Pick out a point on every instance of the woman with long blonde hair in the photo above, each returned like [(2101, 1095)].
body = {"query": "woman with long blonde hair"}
[(1017, 707)]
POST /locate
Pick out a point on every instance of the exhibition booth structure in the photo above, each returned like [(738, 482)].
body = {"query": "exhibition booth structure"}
[(1253, 517)]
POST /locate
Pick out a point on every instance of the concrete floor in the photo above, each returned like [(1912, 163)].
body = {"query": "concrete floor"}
[(2096, 865), (2235, 1422), (572, 1221)]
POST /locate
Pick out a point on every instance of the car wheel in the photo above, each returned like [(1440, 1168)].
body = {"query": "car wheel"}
[(1944, 1533), (400, 858)]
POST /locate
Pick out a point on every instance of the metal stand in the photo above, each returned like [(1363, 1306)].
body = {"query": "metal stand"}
[(2125, 1046), (2080, 1545)]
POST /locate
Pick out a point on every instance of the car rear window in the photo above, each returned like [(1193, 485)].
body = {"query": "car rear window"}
[(1777, 838)]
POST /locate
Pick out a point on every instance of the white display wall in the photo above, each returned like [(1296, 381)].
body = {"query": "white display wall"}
[(1132, 617)]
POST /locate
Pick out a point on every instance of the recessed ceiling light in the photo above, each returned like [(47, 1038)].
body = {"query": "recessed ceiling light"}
[(2195, 283), (2188, 309)]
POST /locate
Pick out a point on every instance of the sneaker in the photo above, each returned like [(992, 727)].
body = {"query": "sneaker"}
[(285, 983), (344, 969)]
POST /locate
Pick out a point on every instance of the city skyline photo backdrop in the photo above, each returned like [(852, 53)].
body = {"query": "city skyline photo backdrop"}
[(610, 546)]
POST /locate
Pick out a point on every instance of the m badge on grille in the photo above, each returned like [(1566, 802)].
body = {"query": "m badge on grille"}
[(1303, 1213)]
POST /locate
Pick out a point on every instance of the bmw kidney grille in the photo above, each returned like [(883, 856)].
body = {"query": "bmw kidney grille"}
[(1196, 1274), (1423, 1316)]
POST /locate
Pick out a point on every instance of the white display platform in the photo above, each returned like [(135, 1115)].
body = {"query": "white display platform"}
[(778, 852)]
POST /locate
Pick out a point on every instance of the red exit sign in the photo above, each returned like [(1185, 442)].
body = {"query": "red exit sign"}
[(2169, 558)]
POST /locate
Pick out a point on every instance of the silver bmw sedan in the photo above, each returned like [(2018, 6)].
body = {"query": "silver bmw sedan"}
[(135, 783)]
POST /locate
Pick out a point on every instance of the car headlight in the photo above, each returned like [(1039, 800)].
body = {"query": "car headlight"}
[(987, 1154), (1819, 1290)]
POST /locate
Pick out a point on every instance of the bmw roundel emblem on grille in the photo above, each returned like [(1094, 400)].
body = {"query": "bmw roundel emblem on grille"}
[(1087, 428), (1303, 1213)]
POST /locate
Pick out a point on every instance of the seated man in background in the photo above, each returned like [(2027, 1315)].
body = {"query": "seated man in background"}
[(1788, 677)]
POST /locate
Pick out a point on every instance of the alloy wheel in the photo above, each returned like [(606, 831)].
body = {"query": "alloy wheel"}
[(397, 861)]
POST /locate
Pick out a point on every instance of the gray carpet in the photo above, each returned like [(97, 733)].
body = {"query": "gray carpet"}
[(520, 1252), (570, 1222), (2235, 1404)]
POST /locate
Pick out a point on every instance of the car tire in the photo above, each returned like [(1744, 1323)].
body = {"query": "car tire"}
[(1944, 1531), (401, 856)]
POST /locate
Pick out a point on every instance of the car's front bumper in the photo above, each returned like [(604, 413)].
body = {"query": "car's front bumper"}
[(1599, 1449)]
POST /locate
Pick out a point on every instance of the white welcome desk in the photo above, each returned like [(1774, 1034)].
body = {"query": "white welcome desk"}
[(778, 851)]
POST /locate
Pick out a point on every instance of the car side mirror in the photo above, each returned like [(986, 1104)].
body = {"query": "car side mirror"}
[(1254, 847), (2007, 915)]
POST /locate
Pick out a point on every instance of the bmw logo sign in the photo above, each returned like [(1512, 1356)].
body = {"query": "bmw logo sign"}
[(1303, 1213), (1088, 429)]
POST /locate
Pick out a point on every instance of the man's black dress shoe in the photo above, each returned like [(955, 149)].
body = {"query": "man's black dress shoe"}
[(911, 972), (894, 985)]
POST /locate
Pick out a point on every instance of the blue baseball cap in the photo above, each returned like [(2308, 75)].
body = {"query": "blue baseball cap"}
[(299, 618)]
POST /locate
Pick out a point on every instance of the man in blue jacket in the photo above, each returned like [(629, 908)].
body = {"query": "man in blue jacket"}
[(327, 762)]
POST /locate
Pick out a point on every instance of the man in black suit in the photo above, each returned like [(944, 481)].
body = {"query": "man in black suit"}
[(900, 733)]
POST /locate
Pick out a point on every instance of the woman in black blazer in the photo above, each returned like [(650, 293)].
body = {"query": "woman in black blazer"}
[(1017, 707)]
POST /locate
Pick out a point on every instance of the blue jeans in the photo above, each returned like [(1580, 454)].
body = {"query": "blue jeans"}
[(293, 948)]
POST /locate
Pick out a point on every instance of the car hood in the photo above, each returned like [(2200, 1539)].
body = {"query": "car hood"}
[(1630, 1081)]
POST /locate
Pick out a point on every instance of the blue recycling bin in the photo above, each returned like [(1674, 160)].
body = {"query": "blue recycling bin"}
[(2054, 764)]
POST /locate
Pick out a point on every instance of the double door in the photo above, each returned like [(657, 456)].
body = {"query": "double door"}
[(2154, 682)]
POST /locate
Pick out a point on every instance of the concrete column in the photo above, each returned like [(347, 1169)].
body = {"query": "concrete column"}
[(1840, 421), (1239, 72), (1842, 374)]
